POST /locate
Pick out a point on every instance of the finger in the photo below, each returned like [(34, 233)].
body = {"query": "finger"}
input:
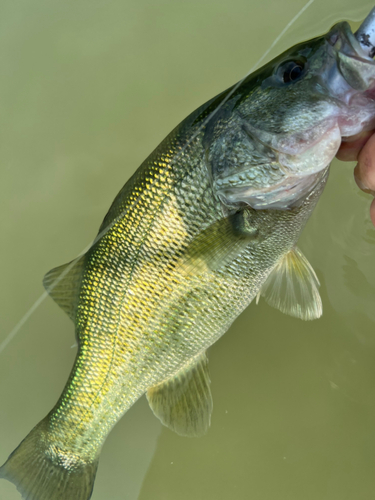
[(360, 184), (364, 172), (351, 146)]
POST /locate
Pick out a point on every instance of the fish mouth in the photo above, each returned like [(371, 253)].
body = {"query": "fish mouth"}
[(362, 45), (350, 78), (349, 75)]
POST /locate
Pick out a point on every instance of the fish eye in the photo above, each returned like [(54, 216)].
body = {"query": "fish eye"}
[(290, 71)]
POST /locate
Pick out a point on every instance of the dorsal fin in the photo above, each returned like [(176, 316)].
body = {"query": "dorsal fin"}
[(184, 402), (63, 285), (292, 287)]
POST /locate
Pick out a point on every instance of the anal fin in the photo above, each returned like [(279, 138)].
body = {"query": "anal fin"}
[(292, 287), (184, 402)]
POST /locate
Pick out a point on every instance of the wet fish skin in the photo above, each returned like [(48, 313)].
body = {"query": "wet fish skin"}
[(179, 257), (139, 319)]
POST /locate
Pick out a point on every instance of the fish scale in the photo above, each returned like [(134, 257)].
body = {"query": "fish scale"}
[(140, 288)]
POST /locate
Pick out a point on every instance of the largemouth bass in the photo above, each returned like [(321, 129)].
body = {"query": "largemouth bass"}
[(208, 223)]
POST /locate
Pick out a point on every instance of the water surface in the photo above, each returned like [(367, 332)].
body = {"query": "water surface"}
[(88, 89)]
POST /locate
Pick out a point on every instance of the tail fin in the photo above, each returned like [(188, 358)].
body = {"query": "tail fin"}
[(43, 472)]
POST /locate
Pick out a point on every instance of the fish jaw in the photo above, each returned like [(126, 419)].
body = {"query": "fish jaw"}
[(350, 79)]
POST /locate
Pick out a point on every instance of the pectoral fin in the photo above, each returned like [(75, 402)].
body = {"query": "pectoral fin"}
[(292, 287), (63, 285), (218, 244), (184, 402)]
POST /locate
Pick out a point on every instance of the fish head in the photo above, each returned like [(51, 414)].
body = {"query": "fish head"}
[(271, 141)]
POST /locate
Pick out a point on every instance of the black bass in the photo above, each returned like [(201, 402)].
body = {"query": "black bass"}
[(206, 224)]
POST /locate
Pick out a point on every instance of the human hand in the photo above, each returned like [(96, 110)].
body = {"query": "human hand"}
[(361, 147)]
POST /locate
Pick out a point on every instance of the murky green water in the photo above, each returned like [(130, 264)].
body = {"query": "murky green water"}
[(88, 89)]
